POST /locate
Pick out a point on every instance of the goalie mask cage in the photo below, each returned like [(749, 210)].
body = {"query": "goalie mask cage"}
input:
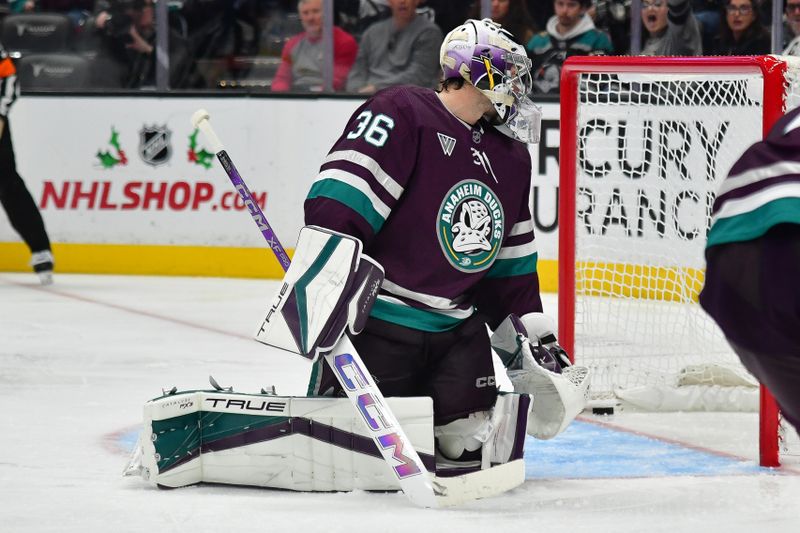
[(645, 143)]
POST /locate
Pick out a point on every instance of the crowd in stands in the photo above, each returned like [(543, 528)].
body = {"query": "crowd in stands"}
[(277, 45)]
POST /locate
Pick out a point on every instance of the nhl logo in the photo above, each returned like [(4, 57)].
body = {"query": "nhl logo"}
[(154, 145)]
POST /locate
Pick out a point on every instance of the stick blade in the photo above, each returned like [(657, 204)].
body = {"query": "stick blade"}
[(458, 490)]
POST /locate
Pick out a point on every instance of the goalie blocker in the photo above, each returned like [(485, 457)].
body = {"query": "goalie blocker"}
[(329, 286)]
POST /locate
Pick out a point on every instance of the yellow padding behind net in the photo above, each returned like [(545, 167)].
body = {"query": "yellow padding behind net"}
[(671, 284)]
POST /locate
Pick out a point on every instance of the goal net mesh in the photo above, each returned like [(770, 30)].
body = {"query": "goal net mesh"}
[(652, 150)]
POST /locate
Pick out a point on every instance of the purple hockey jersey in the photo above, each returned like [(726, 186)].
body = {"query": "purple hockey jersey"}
[(752, 260), (442, 205), (763, 187), (753, 248)]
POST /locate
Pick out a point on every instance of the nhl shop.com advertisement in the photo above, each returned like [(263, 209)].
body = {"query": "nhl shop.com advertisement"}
[(135, 171)]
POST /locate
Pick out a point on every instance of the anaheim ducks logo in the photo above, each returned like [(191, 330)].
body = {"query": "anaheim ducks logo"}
[(470, 226)]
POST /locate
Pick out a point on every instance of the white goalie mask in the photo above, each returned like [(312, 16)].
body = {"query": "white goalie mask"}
[(485, 55)]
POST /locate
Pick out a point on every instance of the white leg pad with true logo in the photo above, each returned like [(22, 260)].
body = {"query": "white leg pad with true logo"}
[(297, 443)]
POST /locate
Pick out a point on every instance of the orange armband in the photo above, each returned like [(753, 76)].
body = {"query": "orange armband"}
[(7, 68)]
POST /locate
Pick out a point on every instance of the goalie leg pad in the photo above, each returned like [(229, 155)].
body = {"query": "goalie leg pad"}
[(509, 419), (500, 433), (329, 286), (296, 443), (538, 366)]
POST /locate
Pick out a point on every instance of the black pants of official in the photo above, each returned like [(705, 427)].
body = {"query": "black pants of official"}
[(17, 200)]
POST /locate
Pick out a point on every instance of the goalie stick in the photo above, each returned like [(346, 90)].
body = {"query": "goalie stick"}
[(385, 431)]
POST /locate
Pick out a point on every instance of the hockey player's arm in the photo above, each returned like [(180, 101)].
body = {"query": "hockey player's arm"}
[(365, 174), (512, 283), (8, 84)]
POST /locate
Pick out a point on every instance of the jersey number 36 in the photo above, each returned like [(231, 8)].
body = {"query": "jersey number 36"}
[(375, 129)]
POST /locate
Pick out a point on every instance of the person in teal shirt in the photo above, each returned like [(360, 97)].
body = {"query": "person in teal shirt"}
[(570, 32)]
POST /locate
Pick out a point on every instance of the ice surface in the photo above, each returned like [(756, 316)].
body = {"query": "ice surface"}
[(78, 359)]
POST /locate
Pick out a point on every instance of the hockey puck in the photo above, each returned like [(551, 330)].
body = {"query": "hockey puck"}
[(602, 410)]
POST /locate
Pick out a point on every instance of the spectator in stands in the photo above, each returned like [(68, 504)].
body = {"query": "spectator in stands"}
[(540, 10), (126, 33), (513, 16), (791, 28), (301, 59), (21, 6), (670, 29), (77, 10), (742, 33), (50, 6), (355, 16), (569, 32), (401, 50), (614, 18), (451, 13), (707, 13)]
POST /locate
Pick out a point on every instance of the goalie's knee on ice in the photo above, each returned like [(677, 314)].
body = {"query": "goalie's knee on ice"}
[(498, 435), (463, 435)]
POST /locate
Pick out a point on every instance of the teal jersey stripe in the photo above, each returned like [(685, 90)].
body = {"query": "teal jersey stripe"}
[(505, 268), (412, 317), (754, 224), (349, 196)]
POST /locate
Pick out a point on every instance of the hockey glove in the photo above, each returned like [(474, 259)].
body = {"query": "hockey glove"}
[(538, 366)]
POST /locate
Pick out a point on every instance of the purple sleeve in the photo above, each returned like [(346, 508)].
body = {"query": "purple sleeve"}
[(367, 170), (512, 283), (500, 297)]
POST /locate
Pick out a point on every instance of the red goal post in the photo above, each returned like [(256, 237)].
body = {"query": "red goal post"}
[(643, 142)]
